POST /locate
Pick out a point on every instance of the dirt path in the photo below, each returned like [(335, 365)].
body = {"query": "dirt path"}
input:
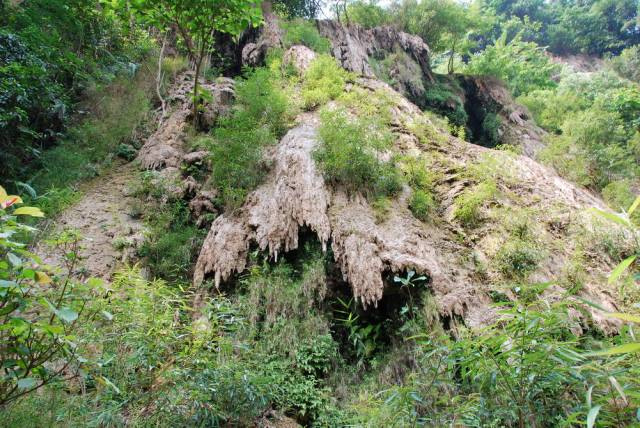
[(109, 233)]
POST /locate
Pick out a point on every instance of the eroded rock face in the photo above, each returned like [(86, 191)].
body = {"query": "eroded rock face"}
[(295, 195), (354, 47), (270, 36), (164, 150), (486, 94), (405, 60)]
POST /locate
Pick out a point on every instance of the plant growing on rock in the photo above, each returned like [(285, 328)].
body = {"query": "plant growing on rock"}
[(324, 81), (350, 154), (197, 22)]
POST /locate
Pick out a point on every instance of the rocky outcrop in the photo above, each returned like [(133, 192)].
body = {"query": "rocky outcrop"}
[(403, 61), (355, 47), (270, 36), (165, 150), (483, 95), (295, 196)]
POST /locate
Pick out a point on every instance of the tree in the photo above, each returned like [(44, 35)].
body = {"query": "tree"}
[(445, 25), (197, 22)]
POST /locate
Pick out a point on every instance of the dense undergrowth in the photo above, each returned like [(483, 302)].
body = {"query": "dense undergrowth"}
[(53, 55)]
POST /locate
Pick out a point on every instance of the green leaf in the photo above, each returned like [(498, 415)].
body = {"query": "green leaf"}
[(15, 260), (628, 348), (613, 217), (67, 314), (633, 206), (619, 270), (110, 384), (30, 211), (625, 317), (27, 383), (618, 387), (592, 415)]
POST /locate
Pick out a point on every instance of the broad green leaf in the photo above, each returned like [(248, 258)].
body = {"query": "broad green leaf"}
[(43, 278), (633, 206), (27, 383), (67, 314), (625, 317), (592, 415), (31, 211), (627, 348), (3, 194), (613, 217), (619, 270), (589, 393), (15, 260)]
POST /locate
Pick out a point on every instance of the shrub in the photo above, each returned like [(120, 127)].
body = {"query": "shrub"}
[(418, 173), (468, 205), (118, 110), (517, 258), (262, 114), (550, 108), (171, 242), (324, 81), (41, 307), (50, 53), (303, 32), (490, 130), (522, 65), (627, 64), (421, 204), (367, 13), (315, 355), (442, 99), (349, 154)]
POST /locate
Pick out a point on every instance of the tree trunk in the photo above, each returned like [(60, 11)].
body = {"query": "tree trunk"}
[(196, 83), (195, 93), (451, 57)]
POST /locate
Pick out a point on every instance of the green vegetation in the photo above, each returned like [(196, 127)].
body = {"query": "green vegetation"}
[(469, 204), (54, 54), (444, 98), (351, 150), (40, 307), (522, 65), (421, 204), (302, 32), (117, 114), (285, 338), (198, 22), (262, 114), (324, 81), (594, 120)]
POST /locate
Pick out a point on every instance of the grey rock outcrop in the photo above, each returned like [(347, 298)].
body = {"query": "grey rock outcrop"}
[(356, 48)]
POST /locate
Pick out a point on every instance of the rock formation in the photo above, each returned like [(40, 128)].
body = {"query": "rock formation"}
[(295, 195)]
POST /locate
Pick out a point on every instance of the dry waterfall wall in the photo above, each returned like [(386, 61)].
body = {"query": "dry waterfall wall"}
[(295, 196)]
